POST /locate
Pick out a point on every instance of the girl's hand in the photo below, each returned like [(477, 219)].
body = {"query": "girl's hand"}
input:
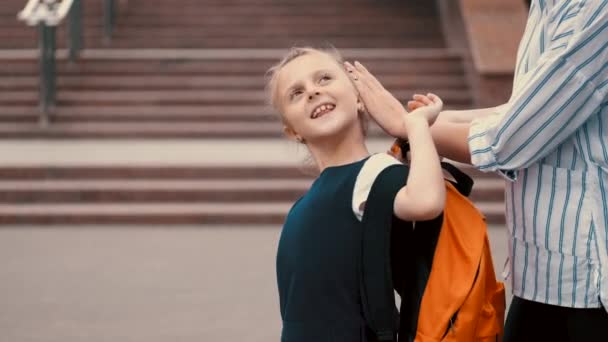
[(383, 107), (428, 107)]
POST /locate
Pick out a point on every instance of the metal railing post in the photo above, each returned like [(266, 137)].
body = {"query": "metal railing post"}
[(46, 15), (47, 71), (75, 30), (108, 18)]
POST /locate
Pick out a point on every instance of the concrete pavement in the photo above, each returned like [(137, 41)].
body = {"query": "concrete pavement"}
[(133, 283)]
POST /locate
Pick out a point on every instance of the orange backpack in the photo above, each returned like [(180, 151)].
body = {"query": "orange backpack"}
[(462, 300), (451, 293)]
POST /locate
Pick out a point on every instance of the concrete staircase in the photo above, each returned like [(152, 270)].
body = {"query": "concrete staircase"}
[(244, 24), (192, 72), (170, 194), (158, 96)]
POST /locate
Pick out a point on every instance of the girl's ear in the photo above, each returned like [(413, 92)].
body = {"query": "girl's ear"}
[(360, 106), (291, 134)]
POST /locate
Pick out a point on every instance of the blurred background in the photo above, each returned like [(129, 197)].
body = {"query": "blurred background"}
[(143, 179)]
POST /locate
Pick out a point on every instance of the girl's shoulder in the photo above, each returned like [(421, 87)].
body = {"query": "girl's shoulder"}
[(367, 176)]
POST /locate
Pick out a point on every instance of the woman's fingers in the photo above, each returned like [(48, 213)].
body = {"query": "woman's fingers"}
[(413, 105), (424, 99), (355, 75), (359, 73), (367, 90), (436, 99), (370, 88), (371, 78), (352, 71)]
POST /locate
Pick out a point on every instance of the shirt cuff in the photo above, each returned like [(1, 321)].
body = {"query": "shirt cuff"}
[(483, 157)]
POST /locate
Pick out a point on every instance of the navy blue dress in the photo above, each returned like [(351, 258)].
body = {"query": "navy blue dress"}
[(318, 262)]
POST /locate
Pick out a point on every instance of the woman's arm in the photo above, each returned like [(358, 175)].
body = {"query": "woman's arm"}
[(566, 87), (466, 116), (451, 140)]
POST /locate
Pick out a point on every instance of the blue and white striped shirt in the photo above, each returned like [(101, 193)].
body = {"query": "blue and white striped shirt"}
[(551, 141)]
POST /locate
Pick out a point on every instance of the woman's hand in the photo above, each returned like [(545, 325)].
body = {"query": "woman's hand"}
[(383, 107), (428, 107)]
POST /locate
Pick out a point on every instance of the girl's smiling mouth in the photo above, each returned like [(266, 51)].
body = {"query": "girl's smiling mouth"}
[(322, 109)]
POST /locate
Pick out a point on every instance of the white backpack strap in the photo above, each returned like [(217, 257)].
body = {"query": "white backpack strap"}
[(367, 175)]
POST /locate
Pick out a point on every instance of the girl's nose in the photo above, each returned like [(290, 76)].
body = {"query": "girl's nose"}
[(316, 93)]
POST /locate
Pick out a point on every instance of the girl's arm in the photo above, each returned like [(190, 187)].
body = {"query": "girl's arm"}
[(423, 197)]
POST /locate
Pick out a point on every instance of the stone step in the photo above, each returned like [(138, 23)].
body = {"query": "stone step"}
[(168, 213), (115, 130), (146, 113), (190, 97), (148, 173), (272, 29), (134, 190), (170, 82), (149, 130), (189, 155), (190, 42), (197, 24), (277, 8), (156, 129), (143, 113), (264, 169), (149, 214), (193, 21), (186, 191), (405, 66), (245, 60), (22, 36), (191, 93), (11, 25), (228, 41)]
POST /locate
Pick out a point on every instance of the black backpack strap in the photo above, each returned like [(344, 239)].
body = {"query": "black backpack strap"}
[(464, 183), (377, 295)]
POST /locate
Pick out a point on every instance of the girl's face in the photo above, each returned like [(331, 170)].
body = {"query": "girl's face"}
[(316, 98)]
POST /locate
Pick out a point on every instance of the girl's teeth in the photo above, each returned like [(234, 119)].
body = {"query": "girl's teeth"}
[(322, 109)]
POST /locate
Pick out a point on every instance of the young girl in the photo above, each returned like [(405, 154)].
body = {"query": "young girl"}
[(321, 106)]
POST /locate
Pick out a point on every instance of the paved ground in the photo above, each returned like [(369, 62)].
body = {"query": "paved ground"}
[(128, 284)]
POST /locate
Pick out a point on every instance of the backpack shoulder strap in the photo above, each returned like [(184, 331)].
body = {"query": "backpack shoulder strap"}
[(377, 295), (464, 183)]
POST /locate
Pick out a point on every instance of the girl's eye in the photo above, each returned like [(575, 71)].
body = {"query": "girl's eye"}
[(325, 78), (296, 93)]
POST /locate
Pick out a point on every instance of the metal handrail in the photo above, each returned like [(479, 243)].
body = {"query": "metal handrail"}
[(47, 14), (75, 30), (109, 16), (26, 12)]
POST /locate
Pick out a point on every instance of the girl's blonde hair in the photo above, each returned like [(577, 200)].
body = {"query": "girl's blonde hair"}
[(292, 54)]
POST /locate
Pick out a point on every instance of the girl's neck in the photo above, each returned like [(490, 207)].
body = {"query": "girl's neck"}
[(339, 152)]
